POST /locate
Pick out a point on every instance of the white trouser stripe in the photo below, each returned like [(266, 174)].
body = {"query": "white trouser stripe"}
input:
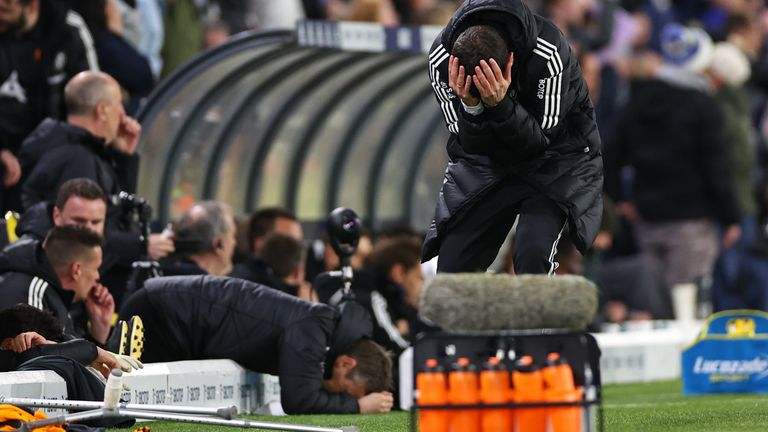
[(552, 264)]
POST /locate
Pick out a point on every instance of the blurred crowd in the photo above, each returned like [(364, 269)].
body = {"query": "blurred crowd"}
[(680, 90)]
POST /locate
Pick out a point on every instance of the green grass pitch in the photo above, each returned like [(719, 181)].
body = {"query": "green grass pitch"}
[(631, 407)]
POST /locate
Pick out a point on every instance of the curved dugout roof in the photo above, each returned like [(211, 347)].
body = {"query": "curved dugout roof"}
[(264, 121)]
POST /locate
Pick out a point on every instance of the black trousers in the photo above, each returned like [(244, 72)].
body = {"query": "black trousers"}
[(473, 243)]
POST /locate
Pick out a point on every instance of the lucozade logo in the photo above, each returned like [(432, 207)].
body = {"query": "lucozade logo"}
[(732, 368)]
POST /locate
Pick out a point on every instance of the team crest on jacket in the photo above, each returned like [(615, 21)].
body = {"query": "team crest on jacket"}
[(12, 89)]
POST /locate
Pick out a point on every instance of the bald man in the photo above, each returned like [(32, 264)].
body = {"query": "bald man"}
[(98, 142)]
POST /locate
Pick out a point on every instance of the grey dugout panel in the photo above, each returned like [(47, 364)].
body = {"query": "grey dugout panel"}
[(299, 119)]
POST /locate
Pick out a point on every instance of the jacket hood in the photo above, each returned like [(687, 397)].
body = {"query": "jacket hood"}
[(354, 323), (512, 17), (36, 221), (28, 256), (52, 133)]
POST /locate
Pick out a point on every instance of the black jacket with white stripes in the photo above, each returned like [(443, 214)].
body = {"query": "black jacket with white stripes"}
[(35, 66), (26, 276), (544, 132)]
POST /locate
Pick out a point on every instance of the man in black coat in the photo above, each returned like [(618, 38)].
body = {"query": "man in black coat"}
[(325, 363), (98, 141), (54, 274), (523, 140), (42, 45)]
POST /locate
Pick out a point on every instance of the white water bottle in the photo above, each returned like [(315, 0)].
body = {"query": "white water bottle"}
[(113, 389)]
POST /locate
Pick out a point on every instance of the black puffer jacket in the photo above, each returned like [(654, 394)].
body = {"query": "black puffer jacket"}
[(209, 317), (26, 276), (544, 132)]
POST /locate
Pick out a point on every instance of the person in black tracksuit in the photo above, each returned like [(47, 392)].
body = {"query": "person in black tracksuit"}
[(28, 275), (35, 63), (523, 142), (308, 345)]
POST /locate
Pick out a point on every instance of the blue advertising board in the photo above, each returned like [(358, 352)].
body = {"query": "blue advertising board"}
[(730, 355)]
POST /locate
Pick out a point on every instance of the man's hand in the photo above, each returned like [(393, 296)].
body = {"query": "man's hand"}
[(11, 168), (100, 307), (491, 82), (106, 361), (628, 210), (128, 134), (375, 403), (731, 235), (460, 82), (159, 246), (23, 342)]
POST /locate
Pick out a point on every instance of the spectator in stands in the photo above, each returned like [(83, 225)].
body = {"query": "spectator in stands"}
[(183, 27), (283, 256), (672, 136), (261, 224), (44, 45), (53, 274), (117, 57), (324, 363), (734, 286), (79, 202), (206, 238)]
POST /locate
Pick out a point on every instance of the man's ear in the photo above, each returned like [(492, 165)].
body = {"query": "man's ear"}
[(75, 271), (345, 362), (100, 111), (397, 273), (56, 215)]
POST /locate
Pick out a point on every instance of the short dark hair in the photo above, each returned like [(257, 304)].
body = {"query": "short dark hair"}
[(202, 228), (480, 42), (80, 187), (374, 365), (25, 318), (66, 244), (403, 250), (262, 222), (282, 253)]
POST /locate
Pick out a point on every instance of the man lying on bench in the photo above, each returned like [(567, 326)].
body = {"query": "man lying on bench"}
[(324, 360)]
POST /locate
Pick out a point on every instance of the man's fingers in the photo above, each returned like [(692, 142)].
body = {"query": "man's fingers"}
[(508, 69), (461, 77), (489, 75), (496, 71), (452, 72), (482, 84)]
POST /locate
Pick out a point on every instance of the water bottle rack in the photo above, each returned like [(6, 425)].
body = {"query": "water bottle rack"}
[(578, 348)]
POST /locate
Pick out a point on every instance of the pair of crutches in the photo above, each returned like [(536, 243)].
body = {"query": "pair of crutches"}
[(112, 407)]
